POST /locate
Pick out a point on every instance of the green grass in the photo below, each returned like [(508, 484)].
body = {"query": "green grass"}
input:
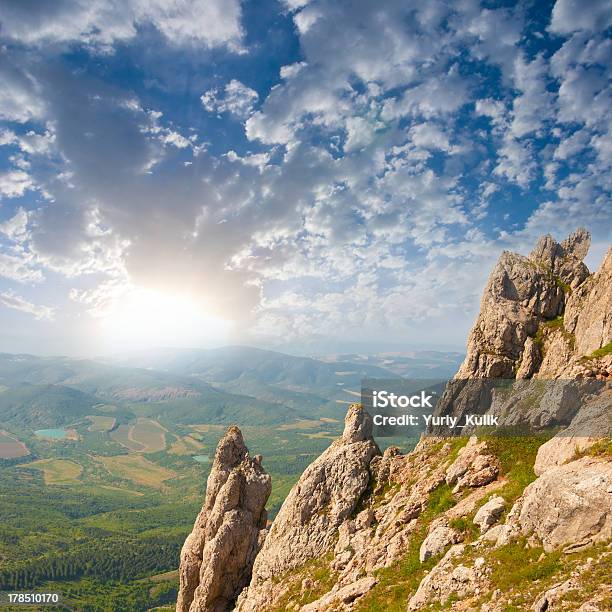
[(602, 448), (440, 500), (315, 570), (465, 525), (517, 456), (602, 352), (515, 565), (548, 327), (564, 286), (399, 581)]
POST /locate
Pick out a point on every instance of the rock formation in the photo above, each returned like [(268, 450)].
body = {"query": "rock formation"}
[(323, 498), (570, 504), (218, 555), (521, 294), (460, 523), (542, 318)]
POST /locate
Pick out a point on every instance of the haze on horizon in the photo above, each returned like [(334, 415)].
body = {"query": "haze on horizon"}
[(299, 174)]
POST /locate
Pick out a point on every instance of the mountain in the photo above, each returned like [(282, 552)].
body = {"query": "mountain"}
[(304, 384), (182, 399), (495, 521), (100, 379), (408, 364), (232, 363), (44, 406)]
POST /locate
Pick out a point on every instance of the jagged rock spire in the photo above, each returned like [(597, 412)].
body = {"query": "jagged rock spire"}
[(218, 555), (521, 293), (323, 498)]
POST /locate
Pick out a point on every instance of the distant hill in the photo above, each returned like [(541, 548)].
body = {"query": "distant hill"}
[(409, 364), (100, 379), (41, 406), (232, 363), (225, 385), (182, 399)]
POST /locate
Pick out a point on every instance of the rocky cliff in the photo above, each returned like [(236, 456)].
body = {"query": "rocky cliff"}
[(488, 522)]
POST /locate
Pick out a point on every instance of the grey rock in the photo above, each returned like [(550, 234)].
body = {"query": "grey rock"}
[(530, 359), (473, 467), (319, 503), (489, 513), (436, 541), (568, 504), (343, 596), (446, 579)]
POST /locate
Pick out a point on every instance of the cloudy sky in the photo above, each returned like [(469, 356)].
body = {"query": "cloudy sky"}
[(288, 173)]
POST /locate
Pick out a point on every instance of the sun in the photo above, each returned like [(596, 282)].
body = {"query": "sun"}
[(144, 318)]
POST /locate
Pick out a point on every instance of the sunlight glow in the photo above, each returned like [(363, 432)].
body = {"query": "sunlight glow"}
[(144, 319)]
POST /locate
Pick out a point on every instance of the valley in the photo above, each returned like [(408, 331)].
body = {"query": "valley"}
[(101, 466)]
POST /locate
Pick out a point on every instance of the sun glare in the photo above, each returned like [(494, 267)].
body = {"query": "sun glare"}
[(145, 318)]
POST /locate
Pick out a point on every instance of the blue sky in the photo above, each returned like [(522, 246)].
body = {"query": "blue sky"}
[(288, 173)]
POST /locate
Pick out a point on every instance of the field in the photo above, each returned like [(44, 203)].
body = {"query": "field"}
[(122, 435), (150, 434), (136, 468), (145, 436), (11, 447), (301, 424), (320, 435), (187, 445), (57, 471), (101, 423)]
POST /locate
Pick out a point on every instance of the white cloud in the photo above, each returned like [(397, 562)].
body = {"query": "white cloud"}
[(16, 302), (572, 15), (16, 227), (515, 162), (14, 183), (20, 98), (101, 23), (291, 70), (236, 98), (446, 93), (535, 104), (572, 145), (429, 136), (19, 268), (360, 133)]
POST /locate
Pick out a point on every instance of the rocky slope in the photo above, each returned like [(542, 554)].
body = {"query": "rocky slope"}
[(481, 523)]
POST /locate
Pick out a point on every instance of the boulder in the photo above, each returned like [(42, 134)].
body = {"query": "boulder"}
[(473, 467), (342, 596), (592, 423), (489, 513), (436, 541), (447, 579), (569, 504)]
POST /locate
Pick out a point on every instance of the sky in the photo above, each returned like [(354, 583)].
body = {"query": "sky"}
[(302, 174)]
